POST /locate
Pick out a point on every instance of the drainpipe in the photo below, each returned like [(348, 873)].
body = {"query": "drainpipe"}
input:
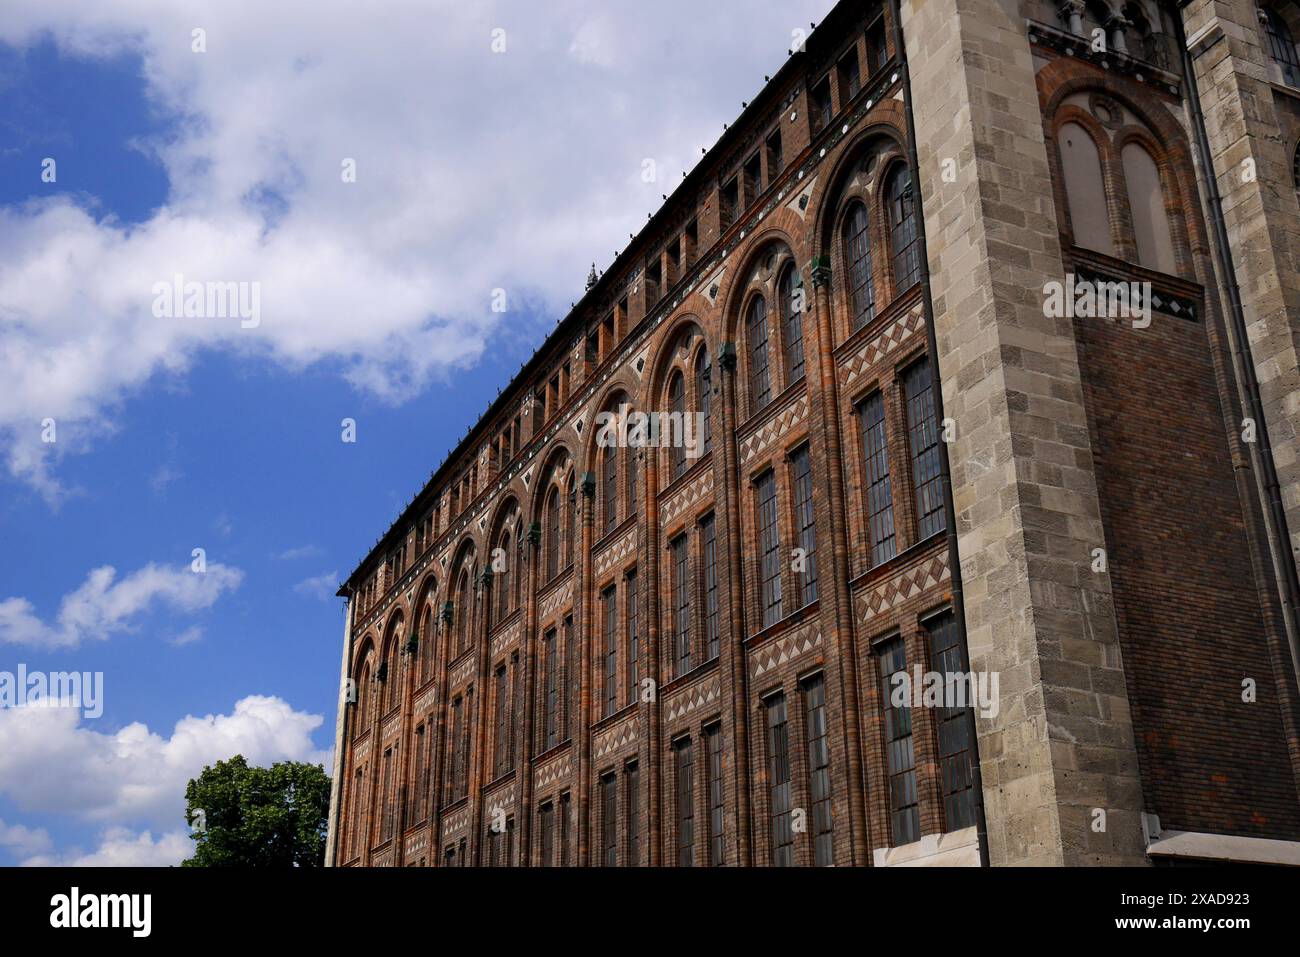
[(945, 475), (1279, 538)]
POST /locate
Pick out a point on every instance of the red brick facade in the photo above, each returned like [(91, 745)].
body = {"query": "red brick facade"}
[(567, 632)]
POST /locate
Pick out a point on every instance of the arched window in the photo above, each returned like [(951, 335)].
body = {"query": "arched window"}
[(463, 610), (519, 564), (501, 578), (1085, 193), (571, 539), (704, 396), (677, 407), (425, 638), (902, 228), (1281, 45), (760, 382), (552, 533), (1295, 170), (363, 700), (633, 470), (1146, 201), (857, 255), (392, 674), (792, 324), (609, 484)]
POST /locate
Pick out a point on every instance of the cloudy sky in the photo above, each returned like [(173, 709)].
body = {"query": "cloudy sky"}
[(495, 146)]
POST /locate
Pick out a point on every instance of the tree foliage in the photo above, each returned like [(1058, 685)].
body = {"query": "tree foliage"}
[(243, 816)]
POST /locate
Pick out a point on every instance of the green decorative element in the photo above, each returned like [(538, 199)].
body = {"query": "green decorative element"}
[(534, 533), (446, 612), (382, 674), (412, 643), (727, 357), (589, 484), (820, 267)]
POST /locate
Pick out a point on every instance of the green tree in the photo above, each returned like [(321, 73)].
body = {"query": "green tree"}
[(243, 816)]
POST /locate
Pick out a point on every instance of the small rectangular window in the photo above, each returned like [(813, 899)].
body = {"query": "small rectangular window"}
[(753, 175), (850, 76), (729, 200), (822, 110), (775, 160), (564, 829), (632, 596)]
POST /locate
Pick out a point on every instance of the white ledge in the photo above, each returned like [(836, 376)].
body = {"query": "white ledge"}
[(956, 849)]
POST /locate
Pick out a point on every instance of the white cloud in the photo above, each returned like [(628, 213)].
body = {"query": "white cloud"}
[(303, 551), (121, 847), (321, 587), (23, 840), (135, 778), (104, 605), (475, 171)]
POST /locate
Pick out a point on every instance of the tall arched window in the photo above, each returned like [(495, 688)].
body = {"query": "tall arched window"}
[(633, 472), (571, 539), (519, 565), (1146, 201), (609, 485), (792, 325), (463, 610), (676, 406), (760, 382), (1295, 170), (392, 674), (902, 228), (425, 638), (1281, 45), (363, 700), (704, 396), (552, 533), (857, 255), (501, 578), (1085, 193)]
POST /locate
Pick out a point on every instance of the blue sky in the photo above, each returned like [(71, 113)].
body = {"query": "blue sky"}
[(183, 434)]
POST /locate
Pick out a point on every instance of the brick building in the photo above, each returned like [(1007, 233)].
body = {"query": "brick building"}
[(574, 651)]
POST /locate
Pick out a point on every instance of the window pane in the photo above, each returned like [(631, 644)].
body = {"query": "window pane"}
[(902, 229), (682, 608), (819, 770), (778, 756), (923, 436), (805, 524), (760, 386), (769, 549), (714, 786), (880, 499), (952, 725), (792, 317), (708, 538), (904, 817), (685, 804), (857, 253)]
